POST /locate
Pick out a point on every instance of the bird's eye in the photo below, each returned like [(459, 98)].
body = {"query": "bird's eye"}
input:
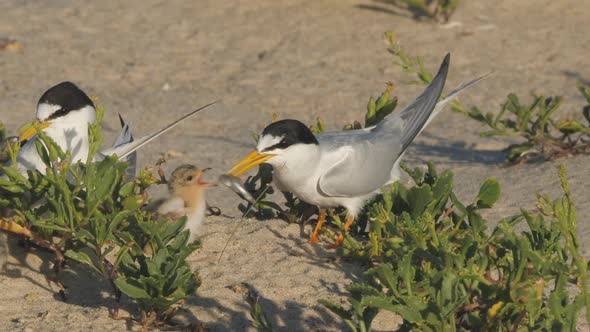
[(283, 143), (189, 178)]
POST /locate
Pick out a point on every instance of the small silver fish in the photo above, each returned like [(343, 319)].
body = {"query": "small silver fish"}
[(234, 183)]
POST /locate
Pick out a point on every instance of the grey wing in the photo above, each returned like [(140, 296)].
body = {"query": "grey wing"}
[(369, 156), (125, 137), (364, 164), (415, 116)]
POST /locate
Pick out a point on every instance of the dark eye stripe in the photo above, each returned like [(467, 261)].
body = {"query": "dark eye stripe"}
[(281, 145), (59, 113)]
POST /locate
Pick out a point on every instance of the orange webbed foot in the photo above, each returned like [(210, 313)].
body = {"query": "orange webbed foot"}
[(313, 239), (338, 242)]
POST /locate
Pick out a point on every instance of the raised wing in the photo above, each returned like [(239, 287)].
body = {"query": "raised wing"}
[(415, 116), (367, 156)]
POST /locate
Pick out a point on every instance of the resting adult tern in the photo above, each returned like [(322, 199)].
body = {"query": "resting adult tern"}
[(345, 168), (63, 113)]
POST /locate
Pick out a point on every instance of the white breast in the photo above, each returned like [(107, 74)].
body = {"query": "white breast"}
[(196, 218), (299, 170)]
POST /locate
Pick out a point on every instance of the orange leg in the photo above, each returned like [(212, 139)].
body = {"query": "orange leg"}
[(316, 231), (340, 238)]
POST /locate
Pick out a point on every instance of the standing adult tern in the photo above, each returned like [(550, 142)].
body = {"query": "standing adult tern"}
[(345, 168), (64, 112)]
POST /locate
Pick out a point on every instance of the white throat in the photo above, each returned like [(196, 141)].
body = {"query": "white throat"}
[(295, 165), (70, 132)]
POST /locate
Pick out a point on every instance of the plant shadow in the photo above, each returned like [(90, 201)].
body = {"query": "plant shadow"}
[(284, 313), (288, 316), (36, 265)]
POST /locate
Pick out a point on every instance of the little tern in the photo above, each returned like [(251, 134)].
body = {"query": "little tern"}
[(345, 168), (63, 113)]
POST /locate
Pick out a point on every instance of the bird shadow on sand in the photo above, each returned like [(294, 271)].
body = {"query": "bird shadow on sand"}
[(319, 255), (454, 152), (392, 7), (577, 76)]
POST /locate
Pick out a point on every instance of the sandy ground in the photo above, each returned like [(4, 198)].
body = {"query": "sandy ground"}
[(154, 60)]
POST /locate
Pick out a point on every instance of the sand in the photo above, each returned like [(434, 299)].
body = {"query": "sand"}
[(154, 60)]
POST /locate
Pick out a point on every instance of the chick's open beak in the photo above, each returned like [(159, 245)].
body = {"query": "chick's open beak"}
[(252, 159), (199, 181), (30, 130)]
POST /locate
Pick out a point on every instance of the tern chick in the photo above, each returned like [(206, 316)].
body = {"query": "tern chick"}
[(345, 168), (187, 198)]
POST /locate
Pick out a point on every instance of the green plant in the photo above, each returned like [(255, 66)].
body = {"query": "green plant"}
[(437, 266), (409, 64), (545, 137), (159, 280), (7, 145), (88, 212)]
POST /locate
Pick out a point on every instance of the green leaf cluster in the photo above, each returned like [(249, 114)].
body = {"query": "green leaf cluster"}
[(7, 146), (544, 136), (157, 275), (92, 214), (436, 264), (409, 64)]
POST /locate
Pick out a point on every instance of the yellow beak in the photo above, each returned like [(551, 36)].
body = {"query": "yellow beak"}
[(30, 130), (252, 159)]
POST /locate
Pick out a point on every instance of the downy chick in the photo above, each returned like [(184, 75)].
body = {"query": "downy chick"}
[(187, 198)]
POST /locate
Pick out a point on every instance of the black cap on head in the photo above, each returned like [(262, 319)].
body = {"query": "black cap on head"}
[(68, 96), (292, 131)]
